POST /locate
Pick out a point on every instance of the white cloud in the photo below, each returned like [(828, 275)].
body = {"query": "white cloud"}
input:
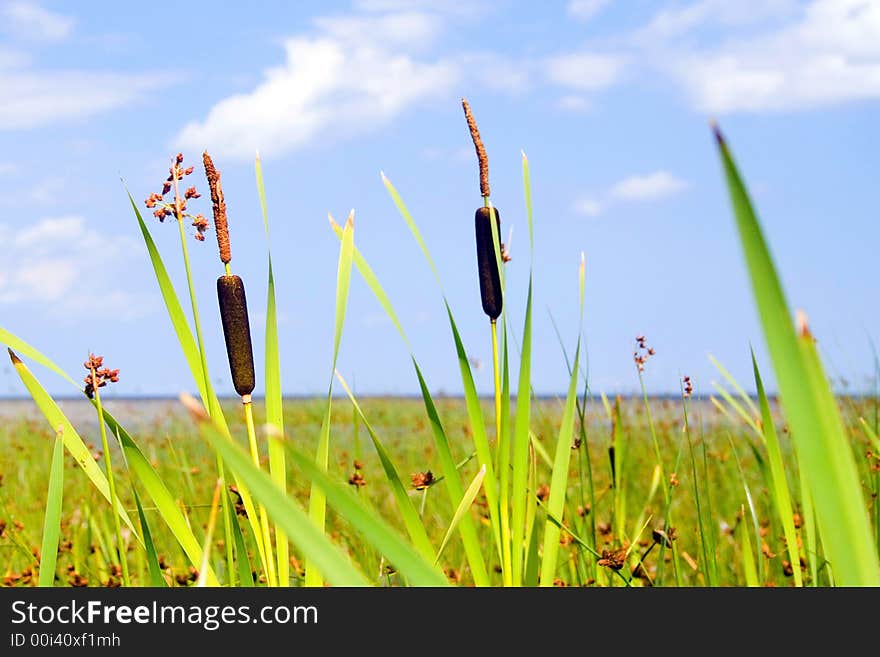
[(574, 104), (36, 98), (589, 207), (679, 20), (66, 266), (650, 187), (633, 189), (584, 10), (496, 72), (409, 29), (29, 20), (353, 75), (584, 71), (827, 53)]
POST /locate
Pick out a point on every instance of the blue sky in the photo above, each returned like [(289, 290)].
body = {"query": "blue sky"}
[(610, 100)]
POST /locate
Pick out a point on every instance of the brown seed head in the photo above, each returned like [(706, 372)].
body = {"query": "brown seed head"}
[(98, 376), (219, 206), (482, 158), (421, 480)]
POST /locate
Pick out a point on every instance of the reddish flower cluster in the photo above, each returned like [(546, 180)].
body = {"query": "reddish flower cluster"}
[(642, 353), (688, 386), (421, 480), (98, 376), (177, 206)]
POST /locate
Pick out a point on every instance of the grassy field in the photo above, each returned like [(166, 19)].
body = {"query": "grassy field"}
[(706, 549), (513, 490)]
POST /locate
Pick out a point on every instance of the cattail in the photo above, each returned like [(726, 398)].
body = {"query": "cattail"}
[(219, 207), (482, 158), (487, 263), (237, 332)]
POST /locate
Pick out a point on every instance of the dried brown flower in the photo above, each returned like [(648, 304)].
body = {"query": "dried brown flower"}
[(642, 353), (98, 376), (543, 492), (614, 559), (421, 480), (175, 207)]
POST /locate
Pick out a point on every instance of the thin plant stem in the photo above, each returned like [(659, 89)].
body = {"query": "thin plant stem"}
[(178, 212), (114, 500), (501, 444), (264, 518)]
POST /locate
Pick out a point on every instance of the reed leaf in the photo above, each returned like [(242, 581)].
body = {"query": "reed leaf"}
[(52, 517), (820, 441)]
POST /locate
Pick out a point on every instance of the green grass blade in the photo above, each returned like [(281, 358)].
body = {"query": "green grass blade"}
[(408, 511), (242, 561), (522, 419), (404, 212), (527, 192), (334, 565), (156, 578), (739, 409), (821, 444), (475, 413), (451, 478), (747, 400), (317, 501), (469, 537), (375, 531), (52, 517), (172, 305), (756, 524), (161, 496), (872, 435), (338, 570), (750, 572), (372, 282), (135, 459), (462, 510), (478, 428), (779, 491), (273, 393), (72, 442), (520, 458), (559, 478)]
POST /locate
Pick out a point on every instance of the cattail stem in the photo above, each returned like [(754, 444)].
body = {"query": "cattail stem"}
[(506, 562), (246, 401), (207, 402), (114, 500)]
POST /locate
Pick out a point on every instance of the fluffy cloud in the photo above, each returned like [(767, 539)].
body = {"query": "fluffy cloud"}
[(62, 264), (633, 189), (584, 10), (36, 98), (650, 187), (355, 73), (828, 53), (585, 71), (29, 20)]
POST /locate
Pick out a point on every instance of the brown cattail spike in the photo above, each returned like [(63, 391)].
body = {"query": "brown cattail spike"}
[(487, 263), (219, 205), (482, 158), (237, 332)]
